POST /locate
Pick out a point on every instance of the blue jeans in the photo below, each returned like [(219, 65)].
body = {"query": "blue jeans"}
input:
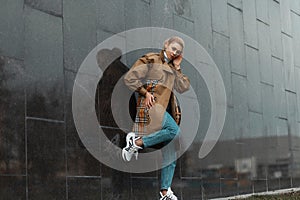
[(169, 131)]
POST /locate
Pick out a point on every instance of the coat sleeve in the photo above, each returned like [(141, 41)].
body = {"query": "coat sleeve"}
[(182, 82), (133, 78)]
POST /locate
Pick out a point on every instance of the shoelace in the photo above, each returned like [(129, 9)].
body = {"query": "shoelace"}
[(166, 198), (132, 147)]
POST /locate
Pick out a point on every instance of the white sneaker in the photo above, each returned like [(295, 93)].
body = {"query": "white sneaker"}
[(131, 148), (169, 196)]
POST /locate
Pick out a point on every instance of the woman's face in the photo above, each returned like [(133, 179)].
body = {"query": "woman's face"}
[(173, 50)]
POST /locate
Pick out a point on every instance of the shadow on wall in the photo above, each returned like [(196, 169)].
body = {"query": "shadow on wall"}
[(113, 70)]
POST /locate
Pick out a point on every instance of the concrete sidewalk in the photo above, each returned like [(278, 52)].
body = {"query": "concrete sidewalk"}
[(275, 192)]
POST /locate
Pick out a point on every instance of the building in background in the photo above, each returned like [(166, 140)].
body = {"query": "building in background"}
[(255, 44)]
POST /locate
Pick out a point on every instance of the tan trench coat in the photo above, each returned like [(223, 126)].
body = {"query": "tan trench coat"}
[(151, 73)]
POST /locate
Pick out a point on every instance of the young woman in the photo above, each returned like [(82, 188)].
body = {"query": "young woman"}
[(154, 76)]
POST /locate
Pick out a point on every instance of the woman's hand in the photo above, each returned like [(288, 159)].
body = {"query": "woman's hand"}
[(149, 100), (177, 62)]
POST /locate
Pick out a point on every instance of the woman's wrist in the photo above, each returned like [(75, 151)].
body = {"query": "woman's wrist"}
[(147, 94)]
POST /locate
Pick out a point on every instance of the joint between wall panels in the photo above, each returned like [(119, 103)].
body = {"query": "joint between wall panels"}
[(191, 178), (277, 58), (228, 179), (221, 34), (237, 74), (91, 177), (286, 34), (13, 175), (282, 118), (267, 84), (254, 111), (233, 6), (104, 29), (290, 91), (145, 177), (250, 46), (184, 17), (261, 21), (45, 11), (298, 14), (45, 120)]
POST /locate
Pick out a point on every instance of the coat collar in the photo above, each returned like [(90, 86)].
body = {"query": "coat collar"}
[(162, 56), (170, 64), (166, 59)]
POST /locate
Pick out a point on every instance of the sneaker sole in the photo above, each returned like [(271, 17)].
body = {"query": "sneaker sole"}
[(129, 135)]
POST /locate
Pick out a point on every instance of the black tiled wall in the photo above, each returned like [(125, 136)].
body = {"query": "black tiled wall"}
[(255, 44)]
